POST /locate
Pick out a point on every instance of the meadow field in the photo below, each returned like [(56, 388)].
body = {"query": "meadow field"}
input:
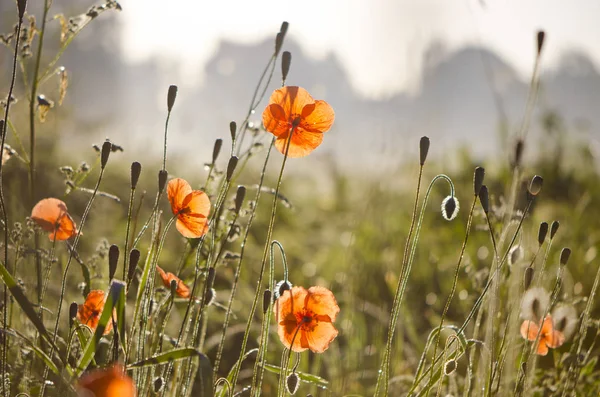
[(241, 278)]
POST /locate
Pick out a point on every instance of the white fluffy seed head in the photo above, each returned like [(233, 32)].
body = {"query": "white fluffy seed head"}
[(565, 319), (535, 303)]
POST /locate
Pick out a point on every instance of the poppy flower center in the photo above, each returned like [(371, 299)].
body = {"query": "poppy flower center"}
[(306, 319)]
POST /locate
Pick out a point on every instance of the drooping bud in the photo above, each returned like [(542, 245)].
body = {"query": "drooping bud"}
[(423, 149), (515, 254), (519, 152), (484, 199), (291, 383), (72, 313), (542, 232), (527, 277), (158, 384), (281, 287), (134, 258), (478, 180), (232, 129), (136, 170), (535, 187), (210, 277), (554, 229), (106, 148), (280, 36), (266, 300), (162, 180), (286, 61), (239, 198), (233, 161), (564, 256), (173, 287), (450, 207), (210, 296), (217, 149), (541, 35), (449, 367), (171, 96), (113, 259)]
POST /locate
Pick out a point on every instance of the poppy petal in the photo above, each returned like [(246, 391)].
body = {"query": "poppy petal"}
[(542, 349), (52, 216), (322, 302), (197, 202), (275, 120), (303, 142), (191, 226), (321, 337), (555, 339), (65, 230), (177, 190), (89, 313), (111, 382), (547, 325), (318, 117), (290, 301), (292, 99), (529, 330)]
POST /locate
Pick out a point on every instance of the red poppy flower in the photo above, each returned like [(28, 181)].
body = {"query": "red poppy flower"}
[(182, 290), (549, 337), (288, 104), (109, 382), (191, 207), (89, 313), (52, 216), (306, 318)]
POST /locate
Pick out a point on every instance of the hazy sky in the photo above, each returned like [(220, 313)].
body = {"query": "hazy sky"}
[(379, 42)]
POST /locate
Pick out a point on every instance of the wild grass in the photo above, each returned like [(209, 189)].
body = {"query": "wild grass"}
[(442, 290)]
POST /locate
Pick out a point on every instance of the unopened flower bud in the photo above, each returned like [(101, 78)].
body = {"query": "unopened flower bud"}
[(286, 61), (72, 313), (484, 199), (266, 300), (541, 35), (217, 149), (450, 207), (113, 259), (292, 382), (233, 161), (106, 148), (535, 187), (478, 180), (423, 149), (564, 256), (239, 198), (136, 170), (162, 180), (527, 277), (554, 229), (232, 129), (171, 95), (542, 232), (449, 367)]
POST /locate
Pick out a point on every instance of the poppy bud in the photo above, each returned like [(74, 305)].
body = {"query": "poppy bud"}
[(239, 198), (281, 287), (478, 180), (134, 258), (535, 187), (541, 35), (171, 95), (210, 277), (286, 61), (1, 128), (515, 255), (449, 367), (292, 382), (423, 149), (72, 313), (564, 256), (554, 229), (173, 287), (280, 36), (527, 277), (542, 232), (136, 170), (209, 297), (450, 207), (113, 259), (158, 384), (162, 180), (231, 167), (217, 149), (106, 148), (484, 199), (519, 152), (524, 367), (232, 128), (21, 5), (266, 300)]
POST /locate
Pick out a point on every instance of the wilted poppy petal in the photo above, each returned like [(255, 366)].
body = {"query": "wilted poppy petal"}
[(322, 302), (303, 142), (318, 117), (275, 120), (529, 330), (177, 190), (182, 290), (111, 382), (321, 336), (555, 339), (292, 99)]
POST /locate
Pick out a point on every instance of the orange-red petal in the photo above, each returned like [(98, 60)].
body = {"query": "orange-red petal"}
[(555, 339), (182, 290), (529, 330), (541, 349), (52, 216), (321, 301), (110, 382), (275, 120), (292, 100), (321, 336), (191, 226), (303, 143), (318, 117), (89, 313), (287, 305), (177, 190)]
